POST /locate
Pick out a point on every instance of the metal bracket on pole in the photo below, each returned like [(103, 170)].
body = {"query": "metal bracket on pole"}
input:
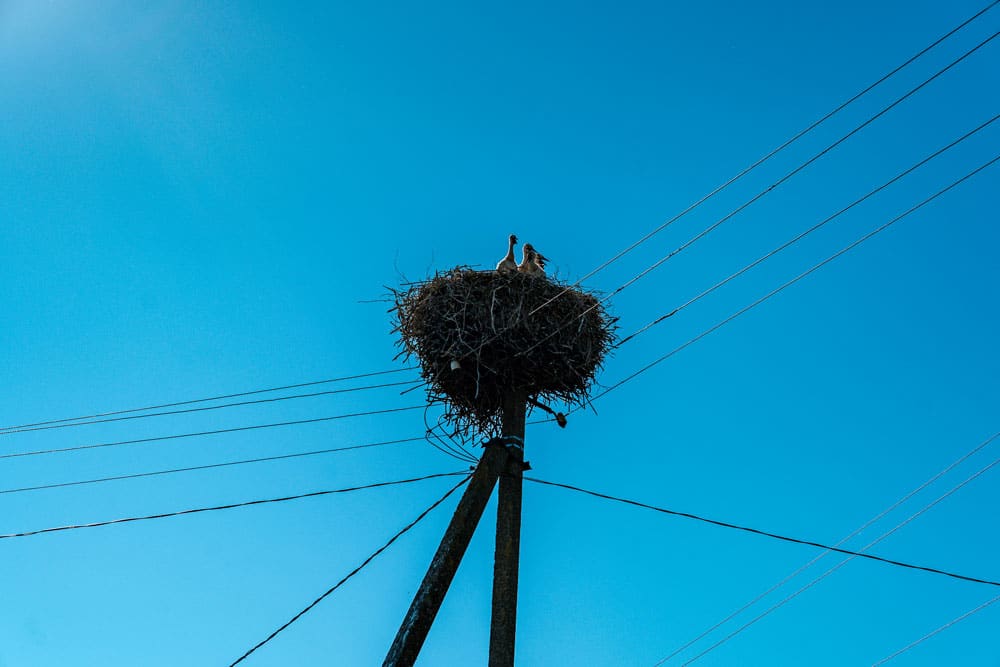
[(514, 445), (512, 442)]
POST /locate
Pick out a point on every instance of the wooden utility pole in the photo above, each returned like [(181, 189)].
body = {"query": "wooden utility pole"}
[(427, 601), (508, 546), (503, 459)]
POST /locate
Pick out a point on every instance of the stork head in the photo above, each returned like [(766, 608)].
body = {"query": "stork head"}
[(528, 250), (512, 238)]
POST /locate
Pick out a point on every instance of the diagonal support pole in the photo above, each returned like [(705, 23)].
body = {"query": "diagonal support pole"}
[(417, 622)]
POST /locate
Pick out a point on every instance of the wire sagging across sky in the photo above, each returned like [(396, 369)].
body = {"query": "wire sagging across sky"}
[(797, 278), (192, 401), (258, 401), (857, 531), (809, 231), (208, 466), (776, 536), (844, 562), (216, 508), (940, 629), (236, 429)]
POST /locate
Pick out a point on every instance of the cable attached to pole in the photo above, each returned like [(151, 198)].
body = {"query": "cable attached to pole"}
[(216, 508), (764, 533)]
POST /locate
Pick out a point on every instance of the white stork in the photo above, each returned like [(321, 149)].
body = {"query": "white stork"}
[(532, 262), (508, 264)]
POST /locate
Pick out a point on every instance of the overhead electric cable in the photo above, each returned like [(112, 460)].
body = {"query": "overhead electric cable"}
[(796, 278), (352, 572), (171, 471), (216, 508), (439, 428), (764, 533), (264, 459), (944, 471), (211, 398), (437, 442), (844, 562), (214, 407), (202, 433), (753, 199), (940, 629), (454, 450), (774, 152), (807, 232)]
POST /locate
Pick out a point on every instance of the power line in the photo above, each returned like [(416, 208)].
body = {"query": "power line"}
[(249, 503), (450, 448), (807, 232), (805, 164), (797, 278), (844, 562), (680, 649), (210, 398), (202, 433), (352, 572), (437, 442), (209, 466), (940, 629), (213, 407), (264, 459), (774, 152), (759, 195), (764, 533)]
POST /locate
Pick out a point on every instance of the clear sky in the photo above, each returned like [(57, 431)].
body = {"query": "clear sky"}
[(205, 198)]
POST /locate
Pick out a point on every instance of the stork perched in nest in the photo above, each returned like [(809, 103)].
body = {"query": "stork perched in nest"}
[(532, 262), (508, 264)]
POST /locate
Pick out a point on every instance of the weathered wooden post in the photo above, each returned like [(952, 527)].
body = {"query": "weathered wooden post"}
[(503, 625)]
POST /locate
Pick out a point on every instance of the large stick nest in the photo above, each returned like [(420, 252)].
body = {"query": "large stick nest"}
[(509, 332)]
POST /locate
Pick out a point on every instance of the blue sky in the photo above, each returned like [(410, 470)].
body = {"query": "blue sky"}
[(202, 199)]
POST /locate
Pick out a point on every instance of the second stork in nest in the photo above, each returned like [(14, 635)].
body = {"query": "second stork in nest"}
[(532, 262)]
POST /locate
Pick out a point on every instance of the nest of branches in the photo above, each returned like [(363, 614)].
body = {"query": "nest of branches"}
[(481, 335)]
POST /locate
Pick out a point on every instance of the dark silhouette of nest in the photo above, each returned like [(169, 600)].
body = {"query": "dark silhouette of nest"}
[(508, 332)]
